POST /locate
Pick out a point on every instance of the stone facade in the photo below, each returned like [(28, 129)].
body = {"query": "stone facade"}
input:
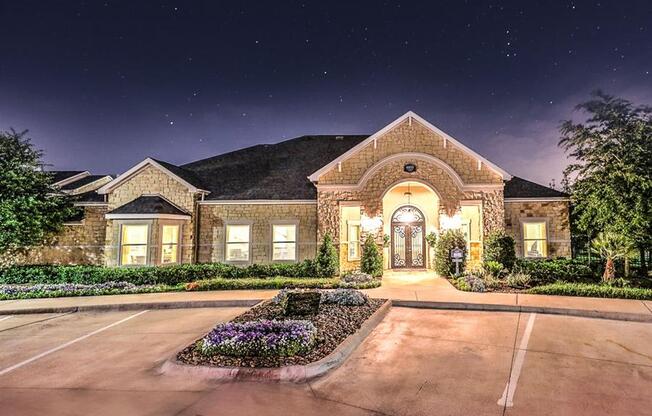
[(81, 243), (150, 181), (213, 219), (556, 215)]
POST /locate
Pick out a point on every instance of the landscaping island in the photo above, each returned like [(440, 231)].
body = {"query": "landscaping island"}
[(277, 334)]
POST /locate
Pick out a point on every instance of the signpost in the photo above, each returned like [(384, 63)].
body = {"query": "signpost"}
[(457, 254)]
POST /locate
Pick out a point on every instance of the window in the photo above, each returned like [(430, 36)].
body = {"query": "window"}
[(284, 242), (133, 244), (170, 244), (237, 242), (353, 238), (534, 239)]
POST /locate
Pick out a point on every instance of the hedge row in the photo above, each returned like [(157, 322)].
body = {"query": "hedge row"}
[(545, 271), (592, 290), (170, 275)]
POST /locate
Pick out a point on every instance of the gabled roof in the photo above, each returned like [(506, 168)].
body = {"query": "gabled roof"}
[(270, 171), (82, 182), (407, 116), (62, 177), (148, 205), (186, 178), (517, 188)]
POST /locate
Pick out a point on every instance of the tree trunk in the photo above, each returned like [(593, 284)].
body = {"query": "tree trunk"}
[(609, 270), (626, 267), (641, 251)]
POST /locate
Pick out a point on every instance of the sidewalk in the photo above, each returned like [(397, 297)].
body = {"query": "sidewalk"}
[(416, 289)]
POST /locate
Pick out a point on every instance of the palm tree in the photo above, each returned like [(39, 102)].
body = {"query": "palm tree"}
[(611, 246)]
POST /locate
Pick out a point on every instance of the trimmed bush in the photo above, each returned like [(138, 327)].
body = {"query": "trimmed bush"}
[(372, 260), (150, 275), (448, 240), (499, 247), (544, 271), (327, 262), (493, 268), (345, 297), (592, 290), (270, 283), (59, 290)]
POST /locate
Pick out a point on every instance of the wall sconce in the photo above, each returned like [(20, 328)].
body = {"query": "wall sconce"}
[(371, 224)]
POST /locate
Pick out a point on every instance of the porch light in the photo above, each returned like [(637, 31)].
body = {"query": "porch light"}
[(450, 222)]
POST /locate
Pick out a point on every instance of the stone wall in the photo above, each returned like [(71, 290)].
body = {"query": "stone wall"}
[(558, 223), (411, 138), (77, 244), (149, 181), (214, 217)]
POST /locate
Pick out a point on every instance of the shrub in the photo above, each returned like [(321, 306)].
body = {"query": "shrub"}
[(270, 283), (372, 260), (518, 280), (327, 261), (260, 338), (493, 268), (57, 290), (345, 297), (357, 277), (448, 240), (474, 283), (592, 290), (544, 271), (150, 275), (499, 247)]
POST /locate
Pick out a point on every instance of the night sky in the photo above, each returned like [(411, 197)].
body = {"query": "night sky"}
[(103, 84)]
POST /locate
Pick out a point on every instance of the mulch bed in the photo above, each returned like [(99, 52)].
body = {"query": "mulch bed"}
[(333, 322)]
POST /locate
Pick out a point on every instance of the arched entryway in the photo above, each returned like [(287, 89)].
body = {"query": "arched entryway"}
[(408, 238)]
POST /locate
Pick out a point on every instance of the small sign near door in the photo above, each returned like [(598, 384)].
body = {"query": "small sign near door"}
[(457, 254)]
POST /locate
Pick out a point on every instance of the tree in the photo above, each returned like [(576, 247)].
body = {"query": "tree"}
[(448, 240), (31, 210), (611, 246), (499, 247), (611, 177), (372, 260), (327, 261)]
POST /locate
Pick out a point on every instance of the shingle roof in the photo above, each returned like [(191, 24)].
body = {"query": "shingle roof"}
[(90, 196), (522, 188), (269, 171), (60, 175), (184, 174), (81, 182), (149, 204)]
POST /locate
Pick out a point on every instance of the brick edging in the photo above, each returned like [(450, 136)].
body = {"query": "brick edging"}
[(292, 373)]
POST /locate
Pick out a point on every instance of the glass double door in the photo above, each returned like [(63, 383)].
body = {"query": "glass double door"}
[(408, 245)]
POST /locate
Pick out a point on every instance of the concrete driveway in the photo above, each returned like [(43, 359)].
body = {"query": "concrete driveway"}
[(416, 362)]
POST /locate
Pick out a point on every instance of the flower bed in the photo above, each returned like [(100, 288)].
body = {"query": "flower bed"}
[(333, 324), (75, 289), (260, 338)]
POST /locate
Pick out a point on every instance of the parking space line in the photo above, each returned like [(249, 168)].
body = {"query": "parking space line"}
[(507, 398), (67, 344), (5, 318)]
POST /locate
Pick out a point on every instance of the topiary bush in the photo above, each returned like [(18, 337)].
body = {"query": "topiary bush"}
[(448, 240), (499, 247), (372, 259), (327, 262)]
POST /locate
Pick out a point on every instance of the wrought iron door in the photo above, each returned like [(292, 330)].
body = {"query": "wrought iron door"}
[(408, 238)]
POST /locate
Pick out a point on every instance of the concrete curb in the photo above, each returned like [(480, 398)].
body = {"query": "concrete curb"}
[(293, 373), (583, 313), (138, 306)]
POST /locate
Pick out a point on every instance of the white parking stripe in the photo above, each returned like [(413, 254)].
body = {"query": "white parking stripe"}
[(5, 318), (67, 344), (507, 398)]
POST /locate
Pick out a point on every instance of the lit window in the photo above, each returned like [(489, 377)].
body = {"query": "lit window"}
[(133, 244), (170, 244), (284, 242), (237, 242), (534, 239), (354, 240)]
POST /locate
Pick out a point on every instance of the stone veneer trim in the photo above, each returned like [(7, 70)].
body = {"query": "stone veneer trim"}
[(410, 115)]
